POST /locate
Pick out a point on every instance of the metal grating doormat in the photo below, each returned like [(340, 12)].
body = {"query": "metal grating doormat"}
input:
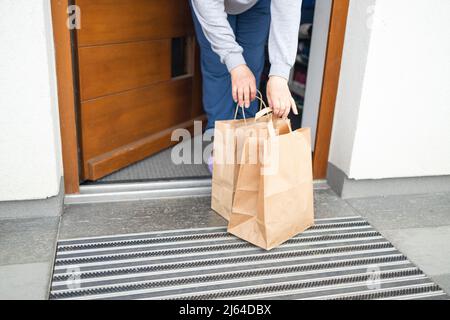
[(343, 258)]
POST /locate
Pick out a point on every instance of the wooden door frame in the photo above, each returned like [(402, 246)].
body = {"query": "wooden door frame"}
[(330, 86), (66, 95), (67, 98)]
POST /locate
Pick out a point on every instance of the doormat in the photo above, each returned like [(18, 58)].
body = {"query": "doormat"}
[(344, 258)]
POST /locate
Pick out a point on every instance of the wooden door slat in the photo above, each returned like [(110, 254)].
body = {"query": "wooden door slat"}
[(138, 150), (116, 21), (111, 122), (114, 68)]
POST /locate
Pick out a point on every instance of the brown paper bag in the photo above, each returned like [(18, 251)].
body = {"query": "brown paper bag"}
[(274, 197), (229, 140), (226, 144)]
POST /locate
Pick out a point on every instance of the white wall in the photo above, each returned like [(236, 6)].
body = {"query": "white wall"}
[(393, 108), (353, 67), (30, 152)]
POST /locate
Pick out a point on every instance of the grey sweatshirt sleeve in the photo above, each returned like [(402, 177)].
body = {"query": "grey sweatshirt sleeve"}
[(283, 38), (214, 21)]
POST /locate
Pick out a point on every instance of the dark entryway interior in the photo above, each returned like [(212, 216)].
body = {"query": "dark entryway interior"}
[(160, 167), (171, 85)]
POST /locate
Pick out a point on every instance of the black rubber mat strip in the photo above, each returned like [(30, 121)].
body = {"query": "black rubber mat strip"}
[(395, 293), (207, 236), (202, 263), (297, 286), (224, 247)]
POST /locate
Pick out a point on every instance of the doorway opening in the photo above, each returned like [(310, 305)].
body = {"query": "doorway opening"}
[(132, 86)]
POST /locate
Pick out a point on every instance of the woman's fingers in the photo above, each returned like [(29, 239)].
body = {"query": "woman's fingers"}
[(282, 109), (253, 91), (275, 107), (294, 106), (241, 96), (269, 100), (234, 92), (243, 84), (287, 110), (244, 95), (247, 96), (278, 108), (278, 91)]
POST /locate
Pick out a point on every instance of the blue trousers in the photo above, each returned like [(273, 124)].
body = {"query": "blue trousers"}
[(251, 29)]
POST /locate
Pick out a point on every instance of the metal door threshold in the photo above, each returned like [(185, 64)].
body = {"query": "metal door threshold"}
[(118, 192), (151, 190)]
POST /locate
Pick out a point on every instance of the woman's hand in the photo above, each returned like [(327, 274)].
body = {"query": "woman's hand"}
[(280, 98), (243, 85)]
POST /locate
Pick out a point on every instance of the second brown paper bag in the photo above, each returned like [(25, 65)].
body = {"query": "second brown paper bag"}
[(270, 207)]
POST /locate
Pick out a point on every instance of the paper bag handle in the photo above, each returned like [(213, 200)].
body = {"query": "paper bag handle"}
[(264, 112), (262, 107), (270, 125), (261, 100), (243, 113)]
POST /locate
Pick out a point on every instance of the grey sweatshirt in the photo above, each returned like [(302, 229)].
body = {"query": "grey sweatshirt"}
[(283, 38)]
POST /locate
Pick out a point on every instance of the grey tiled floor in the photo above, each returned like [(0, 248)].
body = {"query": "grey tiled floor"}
[(418, 225), (27, 240), (92, 220), (27, 249), (402, 212)]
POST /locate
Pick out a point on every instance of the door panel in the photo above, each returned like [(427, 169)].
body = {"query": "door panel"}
[(114, 21), (117, 120), (129, 103), (114, 68)]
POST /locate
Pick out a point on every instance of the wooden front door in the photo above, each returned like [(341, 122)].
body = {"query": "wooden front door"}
[(138, 80)]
